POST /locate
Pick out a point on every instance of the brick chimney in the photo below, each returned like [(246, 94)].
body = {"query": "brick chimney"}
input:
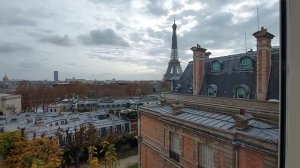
[(263, 62), (207, 54), (198, 68), (176, 107), (242, 120)]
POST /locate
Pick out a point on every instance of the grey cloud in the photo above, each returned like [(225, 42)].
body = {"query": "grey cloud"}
[(72, 64), (15, 17), (116, 4), (177, 5), (155, 7), (158, 51), (57, 40), (7, 48), (217, 31), (221, 32), (28, 65), (119, 25), (103, 37), (108, 1)]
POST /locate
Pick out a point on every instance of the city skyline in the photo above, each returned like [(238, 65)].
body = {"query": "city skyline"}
[(129, 40)]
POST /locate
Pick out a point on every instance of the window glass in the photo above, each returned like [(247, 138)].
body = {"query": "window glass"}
[(215, 66), (174, 146), (175, 143), (210, 91), (246, 63), (206, 156), (241, 92)]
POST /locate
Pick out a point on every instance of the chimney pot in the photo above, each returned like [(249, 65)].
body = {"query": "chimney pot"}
[(242, 120), (242, 111), (176, 107)]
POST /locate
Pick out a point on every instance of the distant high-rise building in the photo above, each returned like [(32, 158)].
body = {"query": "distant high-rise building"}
[(55, 76)]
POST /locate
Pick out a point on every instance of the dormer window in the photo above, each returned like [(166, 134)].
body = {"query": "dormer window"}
[(242, 92), (246, 63), (212, 90), (215, 66)]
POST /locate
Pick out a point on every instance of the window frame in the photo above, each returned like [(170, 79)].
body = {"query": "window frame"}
[(210, 91), (205, 156), (248, 66), (238, 88), (238, 94), (214, 63), (174, 146), (213, 88)]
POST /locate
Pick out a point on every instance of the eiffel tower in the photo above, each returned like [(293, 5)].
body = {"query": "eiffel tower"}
[(174, 70)]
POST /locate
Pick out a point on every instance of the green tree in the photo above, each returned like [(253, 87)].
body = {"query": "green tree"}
[(7, 141)]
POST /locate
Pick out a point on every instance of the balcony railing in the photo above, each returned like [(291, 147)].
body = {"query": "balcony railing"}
[(174, 156)]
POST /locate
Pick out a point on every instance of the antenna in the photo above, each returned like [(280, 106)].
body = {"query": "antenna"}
[(257, 15), (246, 42)]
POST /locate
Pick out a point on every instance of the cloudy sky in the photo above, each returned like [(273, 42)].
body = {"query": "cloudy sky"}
[(121, 39)]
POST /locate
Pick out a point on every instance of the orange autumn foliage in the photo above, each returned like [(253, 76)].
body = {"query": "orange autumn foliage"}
[(27, 152)]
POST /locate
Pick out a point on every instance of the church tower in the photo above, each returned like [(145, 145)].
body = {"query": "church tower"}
[(174, 70)]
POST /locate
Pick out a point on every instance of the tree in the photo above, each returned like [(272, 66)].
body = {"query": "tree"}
[(110, 157), (39, 152), (25, 89), (93, 161), (83, 137), (7, 141)]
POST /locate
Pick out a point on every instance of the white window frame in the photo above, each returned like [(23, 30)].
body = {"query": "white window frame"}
[(175, 142), (205, 156)]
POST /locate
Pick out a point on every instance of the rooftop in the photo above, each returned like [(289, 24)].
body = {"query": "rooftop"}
[(40, 122), (257, 129)]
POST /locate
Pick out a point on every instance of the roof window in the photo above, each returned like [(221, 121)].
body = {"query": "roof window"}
[(215, 66), (212, 90), (246, 63), (242, 92)]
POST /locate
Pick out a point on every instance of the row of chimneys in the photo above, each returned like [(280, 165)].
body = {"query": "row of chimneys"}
[(263, 64)]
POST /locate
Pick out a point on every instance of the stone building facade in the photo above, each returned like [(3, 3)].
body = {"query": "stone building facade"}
[(223, 113), (9, 104)]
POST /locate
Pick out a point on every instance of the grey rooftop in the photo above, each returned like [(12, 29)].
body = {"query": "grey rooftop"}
[(257, 129)]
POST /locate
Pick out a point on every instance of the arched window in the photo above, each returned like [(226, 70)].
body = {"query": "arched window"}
[(212, 90), (215, 66), (246, 63), (242, 92)]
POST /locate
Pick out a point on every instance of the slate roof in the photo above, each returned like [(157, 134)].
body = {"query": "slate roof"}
[(73, 119), (257, 129), (231, 76)]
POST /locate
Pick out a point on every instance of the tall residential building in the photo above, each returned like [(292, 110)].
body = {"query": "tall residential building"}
[(223, 113), (56, 76), (174, 70)]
